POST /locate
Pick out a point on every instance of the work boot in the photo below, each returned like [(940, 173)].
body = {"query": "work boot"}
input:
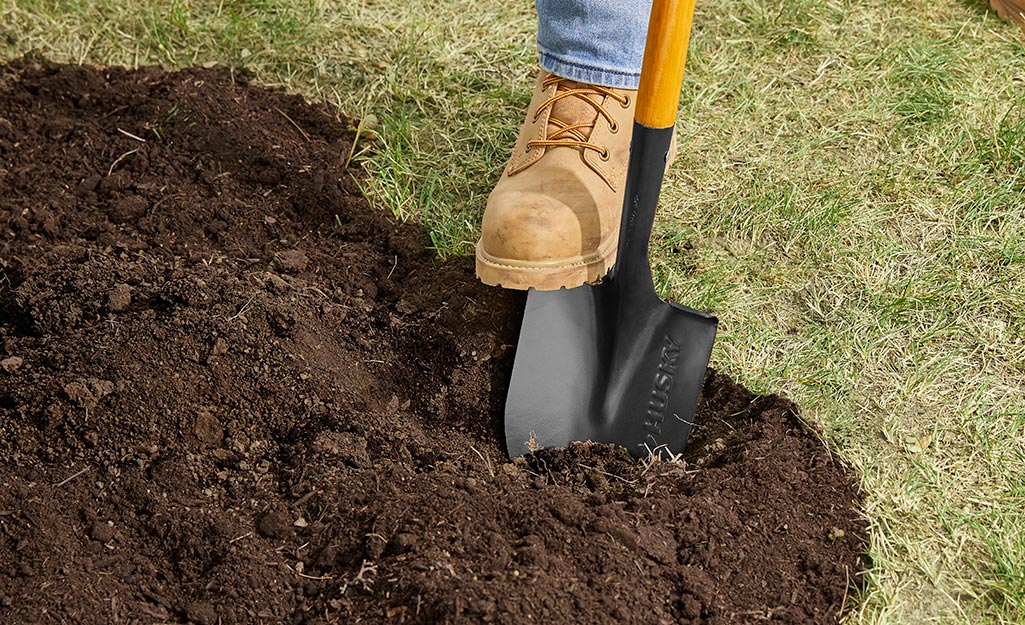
[(553, 219)]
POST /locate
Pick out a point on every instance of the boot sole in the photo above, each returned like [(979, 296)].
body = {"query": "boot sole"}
[(546, 275)]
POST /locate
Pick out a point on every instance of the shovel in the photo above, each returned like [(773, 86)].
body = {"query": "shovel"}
[(612, 362)]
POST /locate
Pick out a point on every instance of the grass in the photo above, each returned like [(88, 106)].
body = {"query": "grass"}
[(849, 199)]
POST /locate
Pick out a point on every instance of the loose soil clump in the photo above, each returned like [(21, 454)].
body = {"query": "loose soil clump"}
[(232, 392)]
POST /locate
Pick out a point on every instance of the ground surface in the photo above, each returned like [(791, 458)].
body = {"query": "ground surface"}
[(847, 199), (233, 392)]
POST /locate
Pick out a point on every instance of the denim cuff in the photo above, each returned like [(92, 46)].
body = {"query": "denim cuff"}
[(581, 72)]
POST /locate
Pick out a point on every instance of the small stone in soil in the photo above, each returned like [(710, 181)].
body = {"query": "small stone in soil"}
[(10, 365)]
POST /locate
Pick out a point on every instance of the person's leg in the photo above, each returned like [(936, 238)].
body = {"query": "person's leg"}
[(552, 221), (599, 42)]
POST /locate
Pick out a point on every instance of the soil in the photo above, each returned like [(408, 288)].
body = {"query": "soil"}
[(232, 392)]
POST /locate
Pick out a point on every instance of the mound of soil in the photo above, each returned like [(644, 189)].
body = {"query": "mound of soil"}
[(231, 392)]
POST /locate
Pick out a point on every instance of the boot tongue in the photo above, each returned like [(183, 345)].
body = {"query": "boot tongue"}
[(572, 110)]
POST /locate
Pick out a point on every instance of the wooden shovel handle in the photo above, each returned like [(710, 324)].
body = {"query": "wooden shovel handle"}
[(665, 54)]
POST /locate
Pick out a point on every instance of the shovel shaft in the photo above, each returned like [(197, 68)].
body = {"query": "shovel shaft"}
[(648, 149), (665, 54)]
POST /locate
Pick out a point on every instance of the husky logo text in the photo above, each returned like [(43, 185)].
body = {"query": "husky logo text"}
[(659, 401)]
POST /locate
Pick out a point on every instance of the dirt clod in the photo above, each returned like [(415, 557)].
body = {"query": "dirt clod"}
[(87, 393), (291, 261), (101, 531), (208, 428), (233, 392), (347, 447), (275, 524), (119, 298), (201, 613), (127, 208)]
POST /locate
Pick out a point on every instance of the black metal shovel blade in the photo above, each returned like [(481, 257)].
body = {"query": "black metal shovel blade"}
[(567, 386), (612, 363)]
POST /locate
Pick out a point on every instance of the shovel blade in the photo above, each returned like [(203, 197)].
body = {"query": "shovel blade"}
[(597, 364)]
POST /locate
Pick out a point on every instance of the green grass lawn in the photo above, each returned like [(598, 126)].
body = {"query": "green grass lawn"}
[(849, 198)]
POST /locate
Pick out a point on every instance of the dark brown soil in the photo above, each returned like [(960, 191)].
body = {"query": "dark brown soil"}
[(231, 392)]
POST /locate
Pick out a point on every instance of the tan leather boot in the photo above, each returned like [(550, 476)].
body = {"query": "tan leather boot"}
[(553, 219)]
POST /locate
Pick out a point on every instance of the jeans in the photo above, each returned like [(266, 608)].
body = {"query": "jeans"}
[(599, 42)]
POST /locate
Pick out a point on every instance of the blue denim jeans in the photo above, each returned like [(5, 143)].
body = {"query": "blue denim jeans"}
[(599, 42)]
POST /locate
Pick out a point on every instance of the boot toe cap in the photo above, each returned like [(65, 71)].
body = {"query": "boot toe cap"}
[(535, 228)]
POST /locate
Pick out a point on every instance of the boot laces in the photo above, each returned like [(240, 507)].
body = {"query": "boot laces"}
[(576, 135)]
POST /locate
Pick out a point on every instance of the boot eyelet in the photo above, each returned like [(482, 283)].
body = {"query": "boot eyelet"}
[(613, 127), (604, 156), (626, 104)]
